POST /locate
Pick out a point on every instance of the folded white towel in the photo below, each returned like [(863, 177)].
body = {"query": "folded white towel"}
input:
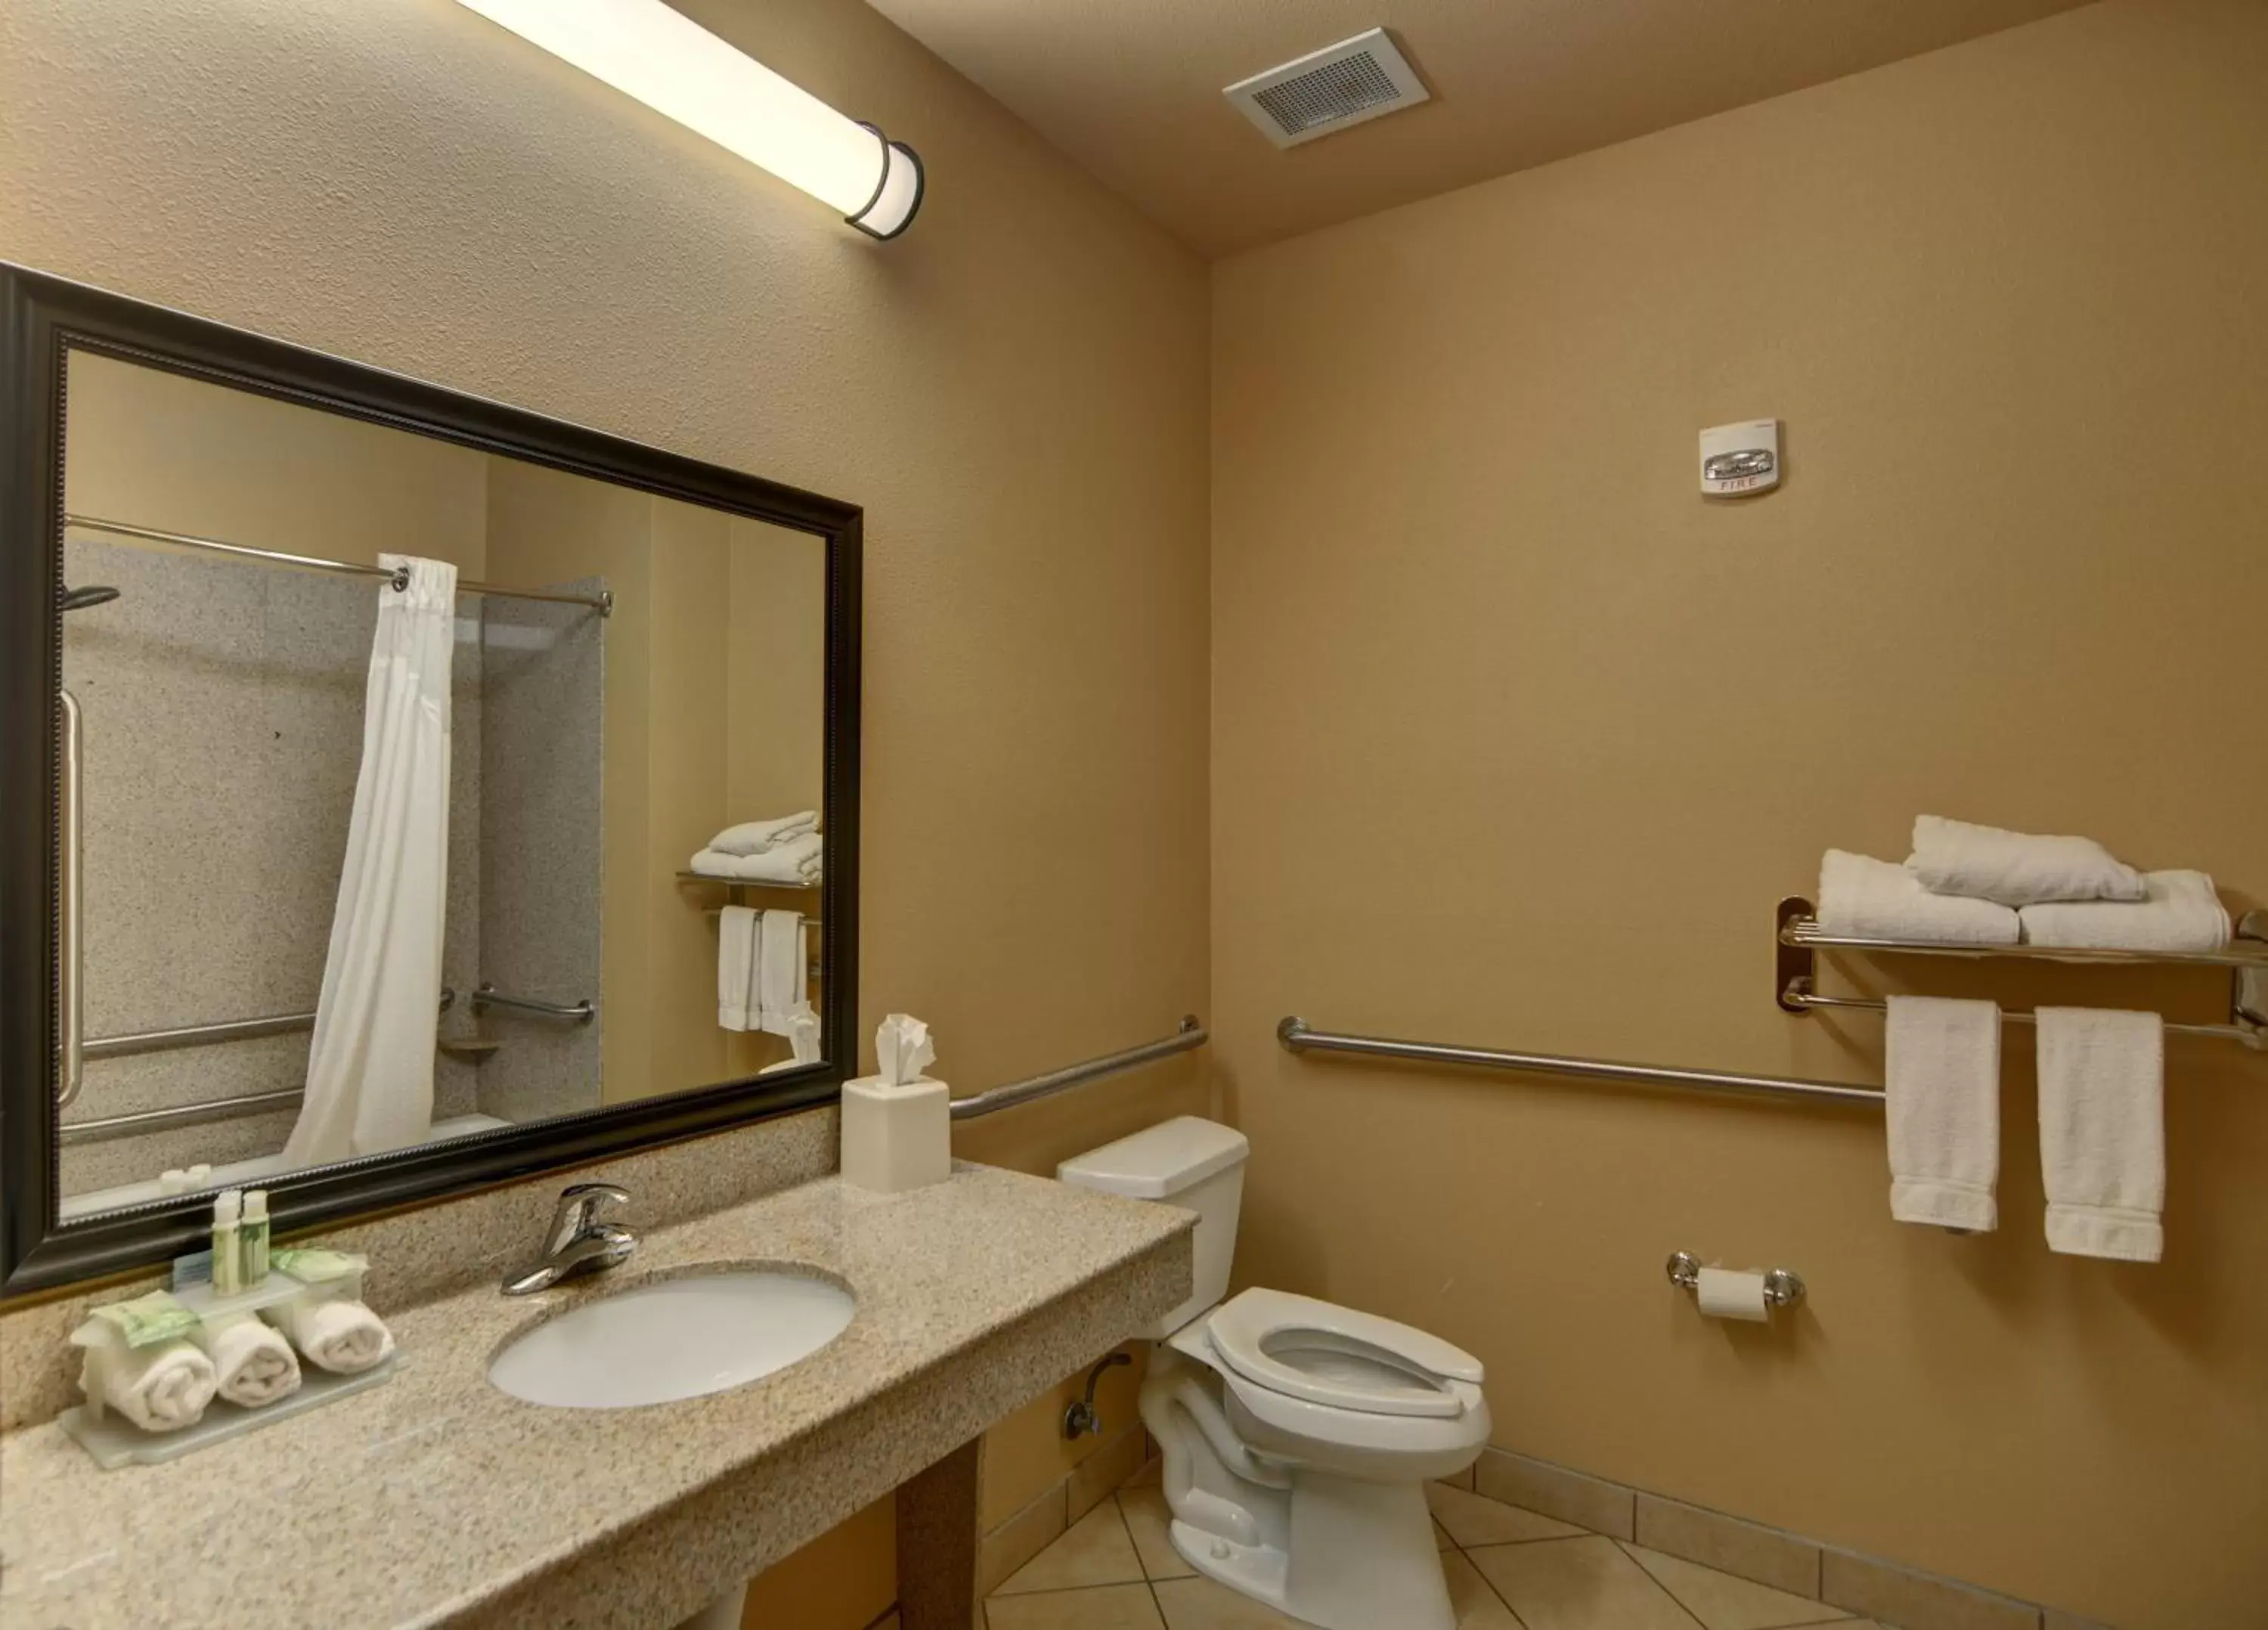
[(755, 837), (736, 966), (1872, 899), (2102, 1131), (2015, 868), (2181, 913), (796, 860), (1941, 1092), (254, 1363), (781, 985), (332, 1333), (160, 1388)]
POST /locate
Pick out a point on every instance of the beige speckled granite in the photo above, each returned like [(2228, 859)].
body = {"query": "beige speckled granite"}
[(438, 1499), (418, 1255)]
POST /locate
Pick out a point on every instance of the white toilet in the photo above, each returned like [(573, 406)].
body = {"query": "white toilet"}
[(1298, 1435)]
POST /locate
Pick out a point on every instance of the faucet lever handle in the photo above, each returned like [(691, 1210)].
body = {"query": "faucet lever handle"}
[(579, 1205)]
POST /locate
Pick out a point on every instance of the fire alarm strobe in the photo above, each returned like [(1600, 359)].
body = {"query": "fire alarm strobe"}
[(1741, 460)]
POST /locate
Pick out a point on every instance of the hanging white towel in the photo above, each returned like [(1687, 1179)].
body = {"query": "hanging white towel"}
[(781, 979), (369, 1066), (2181, 912), (2102, 1131), (736, 967), (1942, 1093), (2015, 868), (1872, 899), (756, 837)]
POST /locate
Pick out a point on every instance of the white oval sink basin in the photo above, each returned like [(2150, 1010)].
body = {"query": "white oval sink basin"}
[(673, 1339)]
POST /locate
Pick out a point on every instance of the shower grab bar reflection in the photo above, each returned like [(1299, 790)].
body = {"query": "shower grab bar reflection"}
[(1297, 1036), (180, 1115), (210, 1035), (1191, 1034), (603, 602), (70, 950), (487, 996)]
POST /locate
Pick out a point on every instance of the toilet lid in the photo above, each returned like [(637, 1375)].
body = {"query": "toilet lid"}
[(1324, 1353)]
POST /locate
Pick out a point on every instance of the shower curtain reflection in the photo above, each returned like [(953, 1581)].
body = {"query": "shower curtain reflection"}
[(370, 1068)]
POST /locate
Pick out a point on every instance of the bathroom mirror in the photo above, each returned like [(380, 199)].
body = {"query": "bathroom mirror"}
[(404, 791)]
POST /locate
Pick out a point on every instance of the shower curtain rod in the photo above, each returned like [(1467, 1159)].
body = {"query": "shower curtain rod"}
[(603, 602)]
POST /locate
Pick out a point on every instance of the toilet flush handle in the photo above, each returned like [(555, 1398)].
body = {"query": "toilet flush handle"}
[(1082, 1417)]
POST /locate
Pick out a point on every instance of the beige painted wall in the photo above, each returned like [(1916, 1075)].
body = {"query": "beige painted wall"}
[(1516, 740), (1015, 391), (161, 450)]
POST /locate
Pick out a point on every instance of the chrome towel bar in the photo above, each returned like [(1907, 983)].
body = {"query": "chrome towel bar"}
[(1798, 995), (1297, 1036), (1191, 1034)]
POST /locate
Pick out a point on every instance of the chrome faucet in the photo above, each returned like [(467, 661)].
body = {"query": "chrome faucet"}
[(576, 1241)]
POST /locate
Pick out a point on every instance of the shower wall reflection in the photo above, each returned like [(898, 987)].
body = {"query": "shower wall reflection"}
[(222, 702)]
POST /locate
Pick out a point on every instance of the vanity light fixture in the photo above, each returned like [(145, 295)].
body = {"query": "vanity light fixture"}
[(645, 50)]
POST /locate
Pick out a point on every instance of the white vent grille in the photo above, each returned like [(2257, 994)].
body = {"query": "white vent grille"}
[(1329, 90)]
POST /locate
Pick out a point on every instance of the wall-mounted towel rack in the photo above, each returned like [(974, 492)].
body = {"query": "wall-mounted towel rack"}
[(1192, 1034), (740, 883), (1798, 940), (603, 602), (1297, 1036)]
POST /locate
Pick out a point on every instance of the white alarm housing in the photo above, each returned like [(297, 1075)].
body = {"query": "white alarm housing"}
[(1740, 460)]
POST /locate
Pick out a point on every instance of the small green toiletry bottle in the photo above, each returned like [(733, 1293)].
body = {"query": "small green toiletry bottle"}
[(253, 1238), (227, 1248)]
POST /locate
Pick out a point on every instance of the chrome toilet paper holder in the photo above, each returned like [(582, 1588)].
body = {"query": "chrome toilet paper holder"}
[(1783, 1287)]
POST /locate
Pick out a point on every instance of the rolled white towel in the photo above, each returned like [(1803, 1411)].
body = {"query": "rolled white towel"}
[(1869, 899), (755, 837), (2180, 913), (332, 1333), (256, 1364), (2015, 868), (160, 1388)]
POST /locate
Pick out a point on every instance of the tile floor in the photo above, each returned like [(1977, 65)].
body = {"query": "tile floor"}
[(1508, 1569)]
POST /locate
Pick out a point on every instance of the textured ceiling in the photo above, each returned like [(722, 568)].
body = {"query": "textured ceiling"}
[(1130, 89)]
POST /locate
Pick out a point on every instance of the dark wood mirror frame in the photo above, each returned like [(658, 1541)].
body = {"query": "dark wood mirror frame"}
[(42, 319)]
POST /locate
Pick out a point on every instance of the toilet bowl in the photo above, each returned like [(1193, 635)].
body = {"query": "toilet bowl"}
[(1298, 1435)]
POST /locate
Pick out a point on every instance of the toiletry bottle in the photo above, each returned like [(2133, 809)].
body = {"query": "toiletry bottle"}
[(227, 1249), (253, 1237)]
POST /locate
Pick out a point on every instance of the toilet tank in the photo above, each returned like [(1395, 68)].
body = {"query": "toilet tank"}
[(1194, 1163)]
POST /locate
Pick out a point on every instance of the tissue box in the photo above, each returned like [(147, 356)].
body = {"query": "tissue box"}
[(896, 1138)]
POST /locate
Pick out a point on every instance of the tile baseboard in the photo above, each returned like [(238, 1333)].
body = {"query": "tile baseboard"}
[(1834, 1575)]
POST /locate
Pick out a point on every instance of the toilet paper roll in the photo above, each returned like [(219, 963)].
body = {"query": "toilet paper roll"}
[(1724, 1294)]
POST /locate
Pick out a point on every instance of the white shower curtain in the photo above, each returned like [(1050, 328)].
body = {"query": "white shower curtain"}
[(370, 1068)]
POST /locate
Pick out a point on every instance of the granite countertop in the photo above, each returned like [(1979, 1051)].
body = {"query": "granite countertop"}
[(436, 1499)]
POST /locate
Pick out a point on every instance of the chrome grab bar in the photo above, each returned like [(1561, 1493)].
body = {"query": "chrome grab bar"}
[(1192, 1034), (1298, 1037), (70, 949), (208, 1034), (179, 1115), (488, 996)]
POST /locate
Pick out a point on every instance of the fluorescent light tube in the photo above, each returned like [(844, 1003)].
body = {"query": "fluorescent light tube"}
[(679, 68)]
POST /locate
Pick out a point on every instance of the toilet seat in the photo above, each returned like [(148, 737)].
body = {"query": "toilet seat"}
[(1318, 1353)]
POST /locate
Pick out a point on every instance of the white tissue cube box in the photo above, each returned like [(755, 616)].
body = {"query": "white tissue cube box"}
[(896, 1138)]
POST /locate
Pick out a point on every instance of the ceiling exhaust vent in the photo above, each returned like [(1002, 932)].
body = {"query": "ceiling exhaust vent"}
[(1329, 90)]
